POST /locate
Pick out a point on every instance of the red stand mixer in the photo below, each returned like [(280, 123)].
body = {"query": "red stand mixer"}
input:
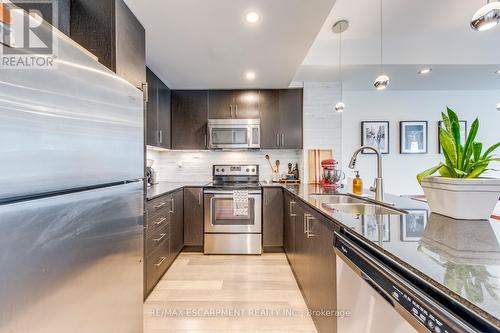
[(332, 176)]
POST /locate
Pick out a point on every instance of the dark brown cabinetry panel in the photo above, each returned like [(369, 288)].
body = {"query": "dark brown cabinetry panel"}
[(152, 135), (189, 119), (193, 216), (289, 226), (221, 104), (177, 224), (47, 11), (269, 119), (109, 30), (243, 104), (158, 110), (272, 232), (290, 110)]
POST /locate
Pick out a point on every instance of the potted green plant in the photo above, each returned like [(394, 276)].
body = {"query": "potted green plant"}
[(459, 191)]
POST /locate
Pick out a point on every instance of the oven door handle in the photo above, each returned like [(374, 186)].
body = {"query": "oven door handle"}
[(227, 194)]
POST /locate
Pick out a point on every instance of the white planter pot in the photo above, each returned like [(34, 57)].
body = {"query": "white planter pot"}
[(465, 199)]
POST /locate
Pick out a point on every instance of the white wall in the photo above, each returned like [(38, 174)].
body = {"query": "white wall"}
[(394, 106), (322, 125)]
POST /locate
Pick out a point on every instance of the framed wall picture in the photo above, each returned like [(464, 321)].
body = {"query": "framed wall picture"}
[(376, 134), (413, 224), (372, 227), (413, 137), (463, 132)]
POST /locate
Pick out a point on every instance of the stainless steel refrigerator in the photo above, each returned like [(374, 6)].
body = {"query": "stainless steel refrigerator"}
[(71, 198)]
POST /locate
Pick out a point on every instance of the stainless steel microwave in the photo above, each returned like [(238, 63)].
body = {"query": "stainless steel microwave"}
[(234, 134)]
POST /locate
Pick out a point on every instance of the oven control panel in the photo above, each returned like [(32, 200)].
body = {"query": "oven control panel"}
[(236, 170)]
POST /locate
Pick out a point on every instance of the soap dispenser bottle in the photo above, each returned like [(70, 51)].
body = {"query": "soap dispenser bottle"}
[(357, 184)]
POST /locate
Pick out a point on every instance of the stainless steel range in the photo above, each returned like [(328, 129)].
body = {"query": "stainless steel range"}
[(233, 211)]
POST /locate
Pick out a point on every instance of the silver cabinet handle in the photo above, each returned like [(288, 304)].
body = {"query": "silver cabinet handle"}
[(160, 205), (160, 221), (236, 111), (199, 198), (161, 136), (206, 145), (230, 111), (282, 139), (277, 140), (308, 224), (172, 206), (305, 223), (292, 214), (159, 263), (160, 238), (145, 91)]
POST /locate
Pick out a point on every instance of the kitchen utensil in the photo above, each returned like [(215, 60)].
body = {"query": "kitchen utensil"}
[(269, 161), (277, 166)]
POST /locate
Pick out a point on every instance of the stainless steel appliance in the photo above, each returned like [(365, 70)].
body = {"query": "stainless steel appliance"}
[(399, 299), (226, 231), (234, 134), (71, 198)]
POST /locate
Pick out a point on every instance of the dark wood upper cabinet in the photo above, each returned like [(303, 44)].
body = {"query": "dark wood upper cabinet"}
[(290, 109), (152, 135), (272, 232), (164, 115), (269, 119), (189, 119), (47, 10), (221, 104), (246, 104), (242, 104), (158, 112), (109, 30)]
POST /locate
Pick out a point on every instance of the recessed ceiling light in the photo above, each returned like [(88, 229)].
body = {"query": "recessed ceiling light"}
[(250, 76), (381, 82), (252, 17), (425, 71)]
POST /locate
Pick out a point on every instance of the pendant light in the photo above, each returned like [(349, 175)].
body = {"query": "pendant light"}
[(338, 28), (382, 81), (486, 17)]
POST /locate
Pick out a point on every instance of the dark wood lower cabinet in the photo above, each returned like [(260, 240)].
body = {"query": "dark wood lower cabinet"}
[(272, 214), (193, 217), (308, 243), (163, 237)]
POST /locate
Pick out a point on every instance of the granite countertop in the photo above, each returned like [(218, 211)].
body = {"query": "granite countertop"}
[(461, 258), (162, 188)]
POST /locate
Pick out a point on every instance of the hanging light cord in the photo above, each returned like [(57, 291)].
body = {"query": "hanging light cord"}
[(381, 37), (340, 62)]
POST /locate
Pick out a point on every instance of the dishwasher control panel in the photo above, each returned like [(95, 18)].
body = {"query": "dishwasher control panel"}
[(395, 293)]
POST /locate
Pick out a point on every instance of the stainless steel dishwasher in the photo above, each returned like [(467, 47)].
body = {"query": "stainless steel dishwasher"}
[(382, 296)]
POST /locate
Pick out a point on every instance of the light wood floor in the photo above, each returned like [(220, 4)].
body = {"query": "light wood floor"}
[(202, 293)]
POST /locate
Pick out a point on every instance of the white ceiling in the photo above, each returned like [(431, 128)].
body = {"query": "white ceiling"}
[(199, 44), (417, 34)]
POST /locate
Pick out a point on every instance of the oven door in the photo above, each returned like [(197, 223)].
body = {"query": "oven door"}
[(220, 217)]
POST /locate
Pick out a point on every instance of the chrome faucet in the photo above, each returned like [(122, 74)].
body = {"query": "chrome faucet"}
[(378, 186)]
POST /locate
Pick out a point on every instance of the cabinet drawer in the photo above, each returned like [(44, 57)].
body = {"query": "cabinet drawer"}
[(157, 221), (161, 203), (157, 263), (154, 240)]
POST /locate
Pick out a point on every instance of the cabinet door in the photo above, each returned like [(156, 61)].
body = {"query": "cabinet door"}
[(130, 40), (301, 259), (221, 104), (246, 104), (289, 224), (193, 216), (322, 270), (270, 119), (152, 136), (177, 224), (272, 232), (164, 113), (189, 119), (290, 106)]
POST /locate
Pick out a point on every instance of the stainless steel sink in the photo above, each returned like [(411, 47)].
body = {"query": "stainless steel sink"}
[(337, 199), (363, 209), (352, 205)]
